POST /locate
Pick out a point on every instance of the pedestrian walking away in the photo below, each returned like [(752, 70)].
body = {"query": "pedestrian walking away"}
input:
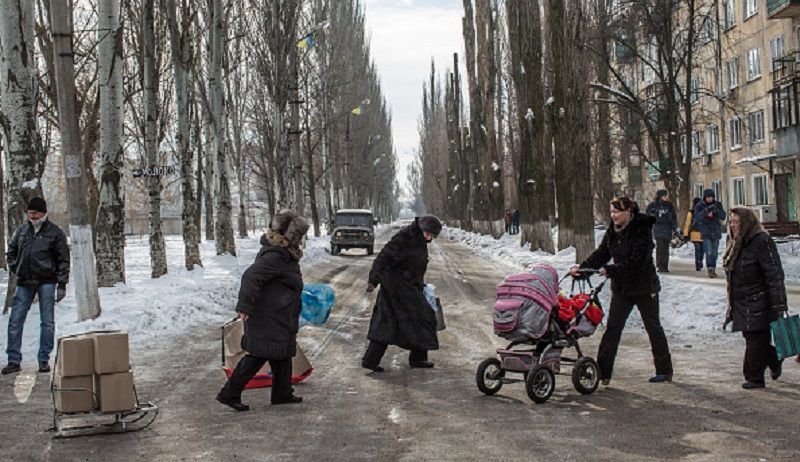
[(691, 233), (756, 293), (38, 256), (270, 303), (402, 315), (666, 223), (515, 220), (628, 242), (708, 217), (507, 219)]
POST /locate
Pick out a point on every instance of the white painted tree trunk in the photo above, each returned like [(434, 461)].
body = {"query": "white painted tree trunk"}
[(158, 254), (110, 224), (223, 229), (82, 277)]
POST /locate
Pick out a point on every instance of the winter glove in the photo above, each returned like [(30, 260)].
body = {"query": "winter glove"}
[(370, 288), (61, 292)]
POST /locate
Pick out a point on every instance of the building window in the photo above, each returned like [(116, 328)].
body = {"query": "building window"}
[(695, 144), (694, 96), (737, 186), (776, 51), (730, 14), (756, 126), (683, 149), (736, 133), (712, 144), (733, 73), (750, 8), (698, 190), (782, 107), (716, 186), (707, 30), (760, 189), (753, 64)]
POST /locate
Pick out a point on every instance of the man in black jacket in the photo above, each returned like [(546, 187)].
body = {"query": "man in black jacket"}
[(666, 223), (39, 256)]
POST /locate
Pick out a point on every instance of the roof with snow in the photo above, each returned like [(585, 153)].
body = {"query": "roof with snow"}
[(358, 211)]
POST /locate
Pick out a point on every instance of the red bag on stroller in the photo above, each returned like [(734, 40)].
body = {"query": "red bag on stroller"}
[(569, 307)]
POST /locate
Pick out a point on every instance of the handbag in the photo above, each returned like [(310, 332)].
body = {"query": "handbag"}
[(440, 326), (786, 335)]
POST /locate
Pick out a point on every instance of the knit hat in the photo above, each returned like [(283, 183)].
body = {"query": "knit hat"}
[(430, 224), (38, 204)]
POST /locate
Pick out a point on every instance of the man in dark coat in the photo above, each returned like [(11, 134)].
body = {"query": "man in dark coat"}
[(708, 217), (756, 293), (515, 219), (402, 315), (666, 223), (38, 255), (270, 300), (628, 243)]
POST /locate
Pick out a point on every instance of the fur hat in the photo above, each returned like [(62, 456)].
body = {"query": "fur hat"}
[(38, 204), (290, 225), (430, 224)]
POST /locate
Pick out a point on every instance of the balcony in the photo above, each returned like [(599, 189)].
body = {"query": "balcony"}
[(781, 9)]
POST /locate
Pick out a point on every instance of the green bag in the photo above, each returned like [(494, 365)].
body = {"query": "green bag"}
[(786, 335)]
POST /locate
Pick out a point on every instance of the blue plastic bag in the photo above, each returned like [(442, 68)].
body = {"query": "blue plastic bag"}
[(429, 290), (318, 299)]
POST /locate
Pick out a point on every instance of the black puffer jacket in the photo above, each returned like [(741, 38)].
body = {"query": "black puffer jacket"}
[(39, 258), (666, 217), (632, 271), (271, 293), (756, 291), (401, 315)]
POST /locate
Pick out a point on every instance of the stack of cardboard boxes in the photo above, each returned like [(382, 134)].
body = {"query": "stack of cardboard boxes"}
[(95, 364)]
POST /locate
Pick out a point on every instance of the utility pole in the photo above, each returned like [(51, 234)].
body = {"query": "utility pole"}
[(83, 273)]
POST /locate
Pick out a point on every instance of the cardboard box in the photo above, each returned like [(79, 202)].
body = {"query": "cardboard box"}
[(115, 392), (73, 401), (75, 356), (111, 353)]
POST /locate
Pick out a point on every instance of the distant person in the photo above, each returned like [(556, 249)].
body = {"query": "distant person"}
[(666, 223), (691, 233), (507, 218), (756, 293), (38, 255), (269, 303), (626, 256), (402, 315), (708, 217), (515, 220)]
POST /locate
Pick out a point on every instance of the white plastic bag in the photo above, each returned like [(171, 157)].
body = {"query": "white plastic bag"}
[(429, 291)]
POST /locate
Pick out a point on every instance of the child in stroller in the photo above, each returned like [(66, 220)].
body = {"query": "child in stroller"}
[(530, 312)]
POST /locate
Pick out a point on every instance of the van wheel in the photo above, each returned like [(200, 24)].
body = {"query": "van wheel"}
[(370, 250)]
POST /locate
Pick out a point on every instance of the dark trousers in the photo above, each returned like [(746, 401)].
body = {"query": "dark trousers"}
[(376, 350), (758, 355), (621, 308), (698, 255), (662, 253), (247, 369)]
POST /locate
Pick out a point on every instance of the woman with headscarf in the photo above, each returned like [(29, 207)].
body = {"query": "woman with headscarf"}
[(628, 242), (756, 293), (270, 300), (402, 315)]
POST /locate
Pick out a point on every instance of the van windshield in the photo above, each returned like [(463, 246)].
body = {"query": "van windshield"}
[(353, 219)]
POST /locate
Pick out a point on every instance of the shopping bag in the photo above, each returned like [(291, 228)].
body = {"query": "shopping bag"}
[(440, 326), (318, 300), (786, 335)]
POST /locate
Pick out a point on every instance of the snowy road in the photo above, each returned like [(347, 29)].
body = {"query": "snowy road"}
[(404, 414)]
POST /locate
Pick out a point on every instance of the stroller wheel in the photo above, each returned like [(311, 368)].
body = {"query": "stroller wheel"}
[(586, 375), (540, 383), (489, 375)]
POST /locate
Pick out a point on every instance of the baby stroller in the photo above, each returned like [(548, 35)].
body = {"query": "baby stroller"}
[(540, 324)]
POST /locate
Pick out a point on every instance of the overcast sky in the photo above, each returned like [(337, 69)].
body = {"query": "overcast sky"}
[(406, 34)]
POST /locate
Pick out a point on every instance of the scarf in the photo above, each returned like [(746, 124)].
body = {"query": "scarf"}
[(749, 227), (279, 240)]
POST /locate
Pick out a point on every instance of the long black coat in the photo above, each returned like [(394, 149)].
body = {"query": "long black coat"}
[(271, 293), (632, 272), (39, 258), (401, 315), (756, 291)]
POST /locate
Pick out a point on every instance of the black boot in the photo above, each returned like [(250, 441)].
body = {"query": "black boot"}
[(44, 366), (420, 364), (752, 385), (372, 367), (11, 368), (292, 399), (236, 405)]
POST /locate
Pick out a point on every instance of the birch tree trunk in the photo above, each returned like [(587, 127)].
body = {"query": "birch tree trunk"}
[(110, 222), (17, 115), (178, 44), (158, 253), (297, 156), (223, 229), (83, 276)]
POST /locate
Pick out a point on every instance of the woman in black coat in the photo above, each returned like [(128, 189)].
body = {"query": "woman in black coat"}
[(401, 315), (756, 293), (270, 300), (628, 242)]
